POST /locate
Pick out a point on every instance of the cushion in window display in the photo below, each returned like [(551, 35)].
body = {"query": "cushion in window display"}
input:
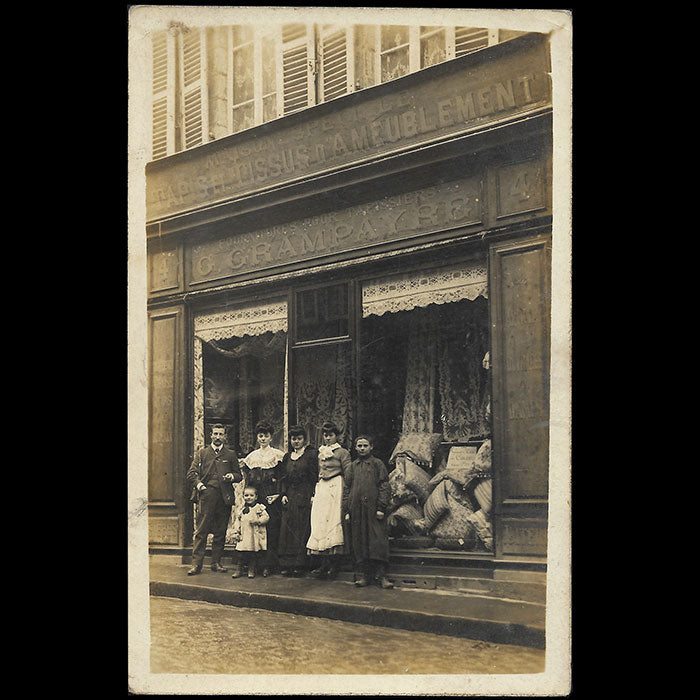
[(455, 492), (482, 461), (483, 492), (415, 478), (400, 493), (462, 473), (455, 529), (420, 445), (407, 519), (482, 528), (435, 506)]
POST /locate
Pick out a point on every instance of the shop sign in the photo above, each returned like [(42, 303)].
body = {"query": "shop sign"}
[(447, 100), (441, 207)]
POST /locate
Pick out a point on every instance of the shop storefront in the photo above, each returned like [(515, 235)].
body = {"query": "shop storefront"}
[(381, 261)]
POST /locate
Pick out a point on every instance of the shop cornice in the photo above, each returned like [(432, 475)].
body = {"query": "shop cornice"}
[(479, 239), (406, 163)]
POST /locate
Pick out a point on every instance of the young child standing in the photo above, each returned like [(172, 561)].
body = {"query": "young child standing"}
[(262, 468), (366, 494), (253, 534)]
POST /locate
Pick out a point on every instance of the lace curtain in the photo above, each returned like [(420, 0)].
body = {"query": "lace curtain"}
[(447, 339), (462, 342), (324, 391), (247, 356), (249, 323), (254, 319), (419, 404), (440, 285)]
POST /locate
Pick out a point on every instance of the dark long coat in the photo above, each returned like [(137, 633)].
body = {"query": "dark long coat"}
[(366, 490)]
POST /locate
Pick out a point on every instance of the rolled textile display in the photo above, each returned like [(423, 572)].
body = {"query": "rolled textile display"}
[(407, 519), (400, 493), (415, 478), (435, 506), (482, 528), (483, 492), (419, 446), (455, 530)]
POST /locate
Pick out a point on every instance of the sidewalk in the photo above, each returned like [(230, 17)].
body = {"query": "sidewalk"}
[(440, 612)]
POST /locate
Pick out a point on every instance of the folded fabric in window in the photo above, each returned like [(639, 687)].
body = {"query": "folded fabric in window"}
[(415, 478), (407, 519), (458, 493), (400, 492), (482, 461), (420, 447), (455, 524), (435, 506), (483, 492), (482, 527)]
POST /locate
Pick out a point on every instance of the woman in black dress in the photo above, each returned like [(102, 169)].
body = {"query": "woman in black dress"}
[(299, 477)]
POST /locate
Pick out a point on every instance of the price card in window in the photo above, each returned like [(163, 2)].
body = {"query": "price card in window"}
[(461, 457)]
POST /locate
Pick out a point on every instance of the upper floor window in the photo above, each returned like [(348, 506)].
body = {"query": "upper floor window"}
[(208, 83)]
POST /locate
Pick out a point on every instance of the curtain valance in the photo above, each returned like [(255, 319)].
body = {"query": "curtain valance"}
[(440, 285), (254, 319)]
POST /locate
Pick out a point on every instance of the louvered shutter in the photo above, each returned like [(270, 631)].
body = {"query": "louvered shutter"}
[(336, 61), (163, 92), (193, 88), (468, 39), (298, 62)]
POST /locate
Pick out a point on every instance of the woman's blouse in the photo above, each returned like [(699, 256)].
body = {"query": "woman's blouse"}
[(332, 460), (300, 473), (263, 470)]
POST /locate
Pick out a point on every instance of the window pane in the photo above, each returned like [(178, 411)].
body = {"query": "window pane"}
[(243, 384), (241, 34), (269, 107), (243, 117), (268, 66), (323, 388), (423, 381), (243, 75), (394, 35), (395, 64), (432, 49), (322, 313)]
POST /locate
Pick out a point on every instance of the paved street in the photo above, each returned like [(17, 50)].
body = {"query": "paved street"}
[(247, 640)]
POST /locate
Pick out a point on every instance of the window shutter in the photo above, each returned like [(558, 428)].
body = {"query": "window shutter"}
[(163, 93), (297, 67), (337, 62), (193, 88), (468, 39)]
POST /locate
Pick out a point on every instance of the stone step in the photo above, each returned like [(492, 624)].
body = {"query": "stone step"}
[(505, 585)]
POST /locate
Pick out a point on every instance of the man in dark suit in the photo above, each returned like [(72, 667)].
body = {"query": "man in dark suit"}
[(211, 476)]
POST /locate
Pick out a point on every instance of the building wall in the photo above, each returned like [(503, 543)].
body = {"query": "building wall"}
[(499, 163)]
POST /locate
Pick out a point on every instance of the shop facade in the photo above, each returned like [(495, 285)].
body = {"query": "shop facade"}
[(381, 261)]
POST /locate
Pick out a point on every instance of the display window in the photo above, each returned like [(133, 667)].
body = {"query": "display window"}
[(425, 395), (407, 363)]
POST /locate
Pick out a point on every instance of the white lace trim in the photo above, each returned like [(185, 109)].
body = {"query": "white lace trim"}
[(263, 458), (254, 319), (436, 286)]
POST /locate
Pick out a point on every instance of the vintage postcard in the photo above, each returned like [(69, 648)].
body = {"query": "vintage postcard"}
[(349, 338)]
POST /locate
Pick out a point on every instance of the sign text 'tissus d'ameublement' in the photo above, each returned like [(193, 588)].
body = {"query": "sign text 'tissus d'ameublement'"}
[(367, 124)]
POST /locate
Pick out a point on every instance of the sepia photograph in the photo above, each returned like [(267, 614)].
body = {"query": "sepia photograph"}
[(349, 351)]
